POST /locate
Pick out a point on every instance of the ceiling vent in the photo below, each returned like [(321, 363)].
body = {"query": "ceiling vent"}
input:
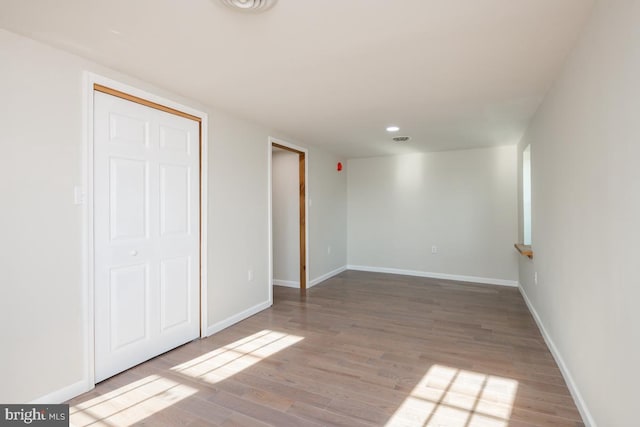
[(401, 138), (254, 6)]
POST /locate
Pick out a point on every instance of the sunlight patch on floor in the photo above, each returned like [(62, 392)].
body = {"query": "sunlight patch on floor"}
[(224, 362), (450, 397), (131, 403), (139, 400)]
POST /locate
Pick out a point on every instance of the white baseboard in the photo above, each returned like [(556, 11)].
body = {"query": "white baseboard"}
[(327, 276), (587, 418), (287, 283), (473, 279), (313, 282), (223, 324), (64, 394)]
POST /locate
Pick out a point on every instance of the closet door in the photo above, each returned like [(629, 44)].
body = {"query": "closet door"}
[(146, 222)]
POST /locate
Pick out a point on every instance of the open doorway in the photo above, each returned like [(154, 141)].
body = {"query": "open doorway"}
[(288, 215)]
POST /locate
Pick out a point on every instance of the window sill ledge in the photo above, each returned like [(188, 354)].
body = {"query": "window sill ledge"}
[(524, 250)]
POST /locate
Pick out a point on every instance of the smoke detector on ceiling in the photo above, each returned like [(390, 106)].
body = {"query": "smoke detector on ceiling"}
[(249, 5), (401, 138)]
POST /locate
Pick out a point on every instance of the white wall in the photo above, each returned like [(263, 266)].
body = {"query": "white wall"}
[(41, 311), (463, 202), (327, 193), (286, 217), (585, 146), (40, 243)]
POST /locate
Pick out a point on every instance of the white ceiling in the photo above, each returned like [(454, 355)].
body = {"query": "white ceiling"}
[(452, 74)]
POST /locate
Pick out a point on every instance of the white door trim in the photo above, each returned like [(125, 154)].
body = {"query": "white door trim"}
[(270, 142), (88, 224)]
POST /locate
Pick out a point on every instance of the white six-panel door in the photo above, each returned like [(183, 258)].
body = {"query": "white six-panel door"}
[(146, 238)]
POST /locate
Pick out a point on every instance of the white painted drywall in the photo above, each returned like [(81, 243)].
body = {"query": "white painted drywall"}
[(286, 217), (585, 146), (327, 190), (41, 238), (41, 312), (463, 202)]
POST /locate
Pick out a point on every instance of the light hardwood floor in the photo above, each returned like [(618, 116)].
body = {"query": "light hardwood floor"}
[(359, 349)]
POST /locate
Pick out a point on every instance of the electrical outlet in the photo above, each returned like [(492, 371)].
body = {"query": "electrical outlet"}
[(434, 249), (535, 278), (250, 275)]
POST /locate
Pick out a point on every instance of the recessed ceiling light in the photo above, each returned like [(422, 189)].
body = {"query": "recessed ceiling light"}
[(393, 129), (249, 5)]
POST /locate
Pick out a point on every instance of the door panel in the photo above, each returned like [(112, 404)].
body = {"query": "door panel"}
[(128, 198), (146, 232), (128, 130), (128, 305), (174, 140), (175, 279), (174, 200)]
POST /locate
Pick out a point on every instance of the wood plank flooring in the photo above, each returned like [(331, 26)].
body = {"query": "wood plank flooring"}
[(360, 349)]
